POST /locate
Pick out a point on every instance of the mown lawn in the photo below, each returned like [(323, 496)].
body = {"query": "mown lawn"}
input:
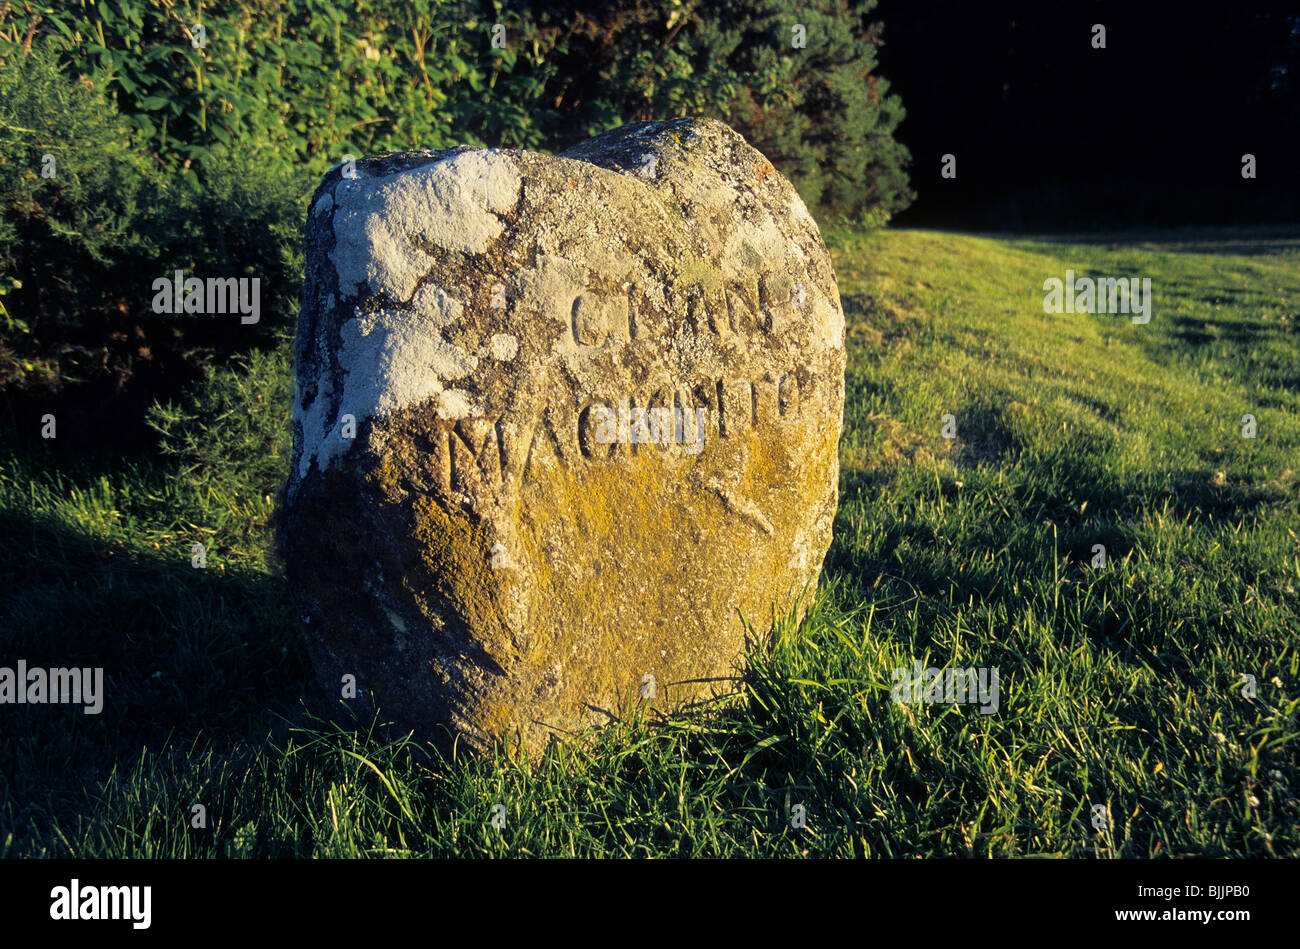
[(1122, 727)]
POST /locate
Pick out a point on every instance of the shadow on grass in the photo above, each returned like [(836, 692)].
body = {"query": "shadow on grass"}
[(185, 652)]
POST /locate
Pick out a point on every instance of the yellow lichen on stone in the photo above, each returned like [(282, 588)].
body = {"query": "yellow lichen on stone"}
[(693, 270), (609, 515), (455, 554)]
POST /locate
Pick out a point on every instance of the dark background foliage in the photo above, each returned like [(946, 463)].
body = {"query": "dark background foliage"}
[(1050, 133)]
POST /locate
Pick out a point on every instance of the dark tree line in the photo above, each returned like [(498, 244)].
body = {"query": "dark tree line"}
[(1048, 131)]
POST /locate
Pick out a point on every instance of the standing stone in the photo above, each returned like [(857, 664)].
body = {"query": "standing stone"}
[(560, 421)]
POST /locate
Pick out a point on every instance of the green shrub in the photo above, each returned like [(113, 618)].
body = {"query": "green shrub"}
[(246, 221), (818, 112), (304, 81), (232, 425), (824, 118), (79, 250), (307, 81), (72, 186)]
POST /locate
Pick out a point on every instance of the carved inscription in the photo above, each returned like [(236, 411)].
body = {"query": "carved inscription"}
[(598, 319), (744, 306), (476, 454), (718, 408)]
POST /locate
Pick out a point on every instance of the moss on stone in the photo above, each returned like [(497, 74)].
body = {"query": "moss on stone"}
[(695, 271)]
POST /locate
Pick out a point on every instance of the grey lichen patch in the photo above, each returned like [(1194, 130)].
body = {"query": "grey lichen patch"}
[(455, 203), (597, 401)]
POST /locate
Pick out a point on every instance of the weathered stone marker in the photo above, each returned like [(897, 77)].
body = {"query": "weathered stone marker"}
[(560, 421)]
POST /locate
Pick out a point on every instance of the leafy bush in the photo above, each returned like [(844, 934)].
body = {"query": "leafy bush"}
[(305, 82), (80, 250), (245, 222), (72, 187), (235, 421), (106, 211), (817, 110)]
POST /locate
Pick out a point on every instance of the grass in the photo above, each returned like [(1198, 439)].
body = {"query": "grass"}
[(1122, 728)]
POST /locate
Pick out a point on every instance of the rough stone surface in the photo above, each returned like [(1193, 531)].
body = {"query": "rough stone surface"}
[(480, 523)]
